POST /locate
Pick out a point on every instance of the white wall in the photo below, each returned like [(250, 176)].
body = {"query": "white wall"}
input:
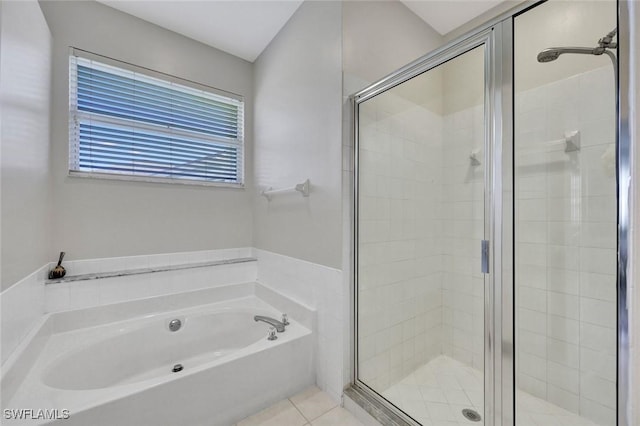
[(382, 36), (298, 88), (99, 218), (490, 14), (25, 84)]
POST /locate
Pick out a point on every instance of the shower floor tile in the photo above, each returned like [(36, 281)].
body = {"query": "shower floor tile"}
[(436, 393)]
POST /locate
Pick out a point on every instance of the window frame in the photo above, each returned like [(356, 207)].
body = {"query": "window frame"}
[(74, 140)]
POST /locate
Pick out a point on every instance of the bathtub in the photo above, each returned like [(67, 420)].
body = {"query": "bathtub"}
[(122, 372)]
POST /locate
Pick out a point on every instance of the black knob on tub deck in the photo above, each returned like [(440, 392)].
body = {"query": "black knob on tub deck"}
[(58, 271)]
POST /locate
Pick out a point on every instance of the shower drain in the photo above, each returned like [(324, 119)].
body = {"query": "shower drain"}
[(472, 415)]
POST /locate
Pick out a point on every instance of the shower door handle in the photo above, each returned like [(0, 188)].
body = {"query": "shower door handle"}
[(484, 256)]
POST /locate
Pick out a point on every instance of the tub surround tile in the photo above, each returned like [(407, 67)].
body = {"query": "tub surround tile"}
[(152, 261), (28, 299), (178, 274), (302, 313), (167, 266), (65, 296), (57, 298), (324, 290), (21, 307)]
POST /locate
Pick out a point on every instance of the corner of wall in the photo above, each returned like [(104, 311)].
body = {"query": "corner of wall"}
[(25, 97), (297, 136)]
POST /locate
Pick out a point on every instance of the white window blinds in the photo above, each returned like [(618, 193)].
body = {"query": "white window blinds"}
[(124, 121)]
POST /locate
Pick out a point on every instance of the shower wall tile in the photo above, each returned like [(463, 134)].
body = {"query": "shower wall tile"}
[(565, 399), (565, 244), (562, 353), (597, 363), (400, 293), (597, 412), (462, 214), (600, 339)]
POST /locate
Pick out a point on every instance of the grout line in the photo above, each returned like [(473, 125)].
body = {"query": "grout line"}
[(299, 411)]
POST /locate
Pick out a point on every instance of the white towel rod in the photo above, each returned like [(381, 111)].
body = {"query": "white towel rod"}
[(303, 188)]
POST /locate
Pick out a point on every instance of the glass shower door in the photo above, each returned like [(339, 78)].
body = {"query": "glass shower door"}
[(566, 220), (420, 217)]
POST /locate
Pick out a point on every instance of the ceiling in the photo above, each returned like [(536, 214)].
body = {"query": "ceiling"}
[(447, 15), (223, 24)]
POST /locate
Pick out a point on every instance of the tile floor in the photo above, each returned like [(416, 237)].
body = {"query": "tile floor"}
[(436, 393), (311, 407)]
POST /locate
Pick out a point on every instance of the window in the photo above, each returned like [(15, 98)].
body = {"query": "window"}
[(133, 123)]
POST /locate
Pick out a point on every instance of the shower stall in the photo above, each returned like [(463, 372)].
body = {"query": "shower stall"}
[(489, 227)]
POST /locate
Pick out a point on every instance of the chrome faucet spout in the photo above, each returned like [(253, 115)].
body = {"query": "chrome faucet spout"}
[(271, 321)]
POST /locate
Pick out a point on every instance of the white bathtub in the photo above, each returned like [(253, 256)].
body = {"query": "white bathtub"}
[(120, 373)]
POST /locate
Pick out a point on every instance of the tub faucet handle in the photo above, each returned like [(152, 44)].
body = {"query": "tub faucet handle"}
[(285, 319), (271, 335)]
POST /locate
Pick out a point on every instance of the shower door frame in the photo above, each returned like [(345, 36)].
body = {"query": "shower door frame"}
[(498, 337), (500, 391), (625, 151)]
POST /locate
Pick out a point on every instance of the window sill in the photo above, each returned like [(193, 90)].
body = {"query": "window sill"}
[(146, 179)]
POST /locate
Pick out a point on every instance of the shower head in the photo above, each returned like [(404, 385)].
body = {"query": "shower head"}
[(552, 53), (548, 55), (606, 46)]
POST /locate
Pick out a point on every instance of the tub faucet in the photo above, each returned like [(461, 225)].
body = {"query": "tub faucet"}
[(274, 322)]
